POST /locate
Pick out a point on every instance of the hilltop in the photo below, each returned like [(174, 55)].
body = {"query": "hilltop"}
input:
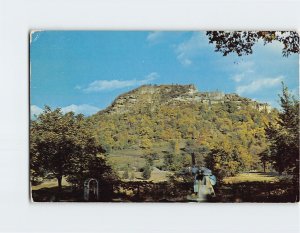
[(158, 120), (155, 95)]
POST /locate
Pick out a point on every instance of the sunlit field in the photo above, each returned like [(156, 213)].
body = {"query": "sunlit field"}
[(252, 177)]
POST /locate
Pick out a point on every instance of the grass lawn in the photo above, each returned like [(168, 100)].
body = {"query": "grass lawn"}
[(160, 176), (245, 187), (156, 176), (120, 159), (252, 177), (50, 184)]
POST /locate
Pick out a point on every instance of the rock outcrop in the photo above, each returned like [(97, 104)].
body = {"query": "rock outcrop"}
[(153, 95)]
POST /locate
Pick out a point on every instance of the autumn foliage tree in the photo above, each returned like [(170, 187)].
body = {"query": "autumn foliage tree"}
[(224, 162)]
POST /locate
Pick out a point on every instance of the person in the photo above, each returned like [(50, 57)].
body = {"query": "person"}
[(194, 169), (203, 186), (209, 182), (198, 177)]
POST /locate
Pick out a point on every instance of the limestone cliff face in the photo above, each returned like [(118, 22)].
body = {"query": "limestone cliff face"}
[(155, 95)]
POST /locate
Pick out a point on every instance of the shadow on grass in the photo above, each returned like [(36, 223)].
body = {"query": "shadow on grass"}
[(281, 191), (144, 191)]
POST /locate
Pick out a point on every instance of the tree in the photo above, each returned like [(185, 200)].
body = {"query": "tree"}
[(168, 160), (283, 135), (90, 167), (242, 42), (265, 157), (175, 147), (132, 175), (147, 171), (145, 144), (224, 162), (173, 160), (126, 172), (62, 145), (191, 148), (150, 160)]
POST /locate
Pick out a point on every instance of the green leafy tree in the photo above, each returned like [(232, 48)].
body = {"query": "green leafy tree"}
[(168, 160), (175, 147), (132, 175), (126, 172), (147, 171), (265, 157), (191, 148), (242, 42), (62, 145), (150, 160), (283, 135), (90, 167), (223, 162), (145, 144)]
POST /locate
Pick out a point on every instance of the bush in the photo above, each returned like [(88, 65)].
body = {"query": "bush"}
[(126, 173), (223, 163), (147, 172)]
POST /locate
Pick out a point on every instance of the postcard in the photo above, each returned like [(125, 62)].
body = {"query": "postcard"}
[(164, 116)]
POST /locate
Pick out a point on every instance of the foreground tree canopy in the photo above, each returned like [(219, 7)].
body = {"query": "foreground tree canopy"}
[(242, 42), (64, 145), (283, 135)]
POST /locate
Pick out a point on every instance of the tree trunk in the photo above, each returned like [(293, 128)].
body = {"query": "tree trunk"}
[(59, 178), (193, 158), (264, 165), (59, 192)]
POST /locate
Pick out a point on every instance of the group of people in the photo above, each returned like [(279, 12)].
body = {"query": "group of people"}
[(203, 183)]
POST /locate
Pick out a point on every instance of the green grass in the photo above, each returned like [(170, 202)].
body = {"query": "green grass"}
[(159, 176), (251, 177), (120, 162), (126, 152), (156, 176), (50, 184), (134, 157)]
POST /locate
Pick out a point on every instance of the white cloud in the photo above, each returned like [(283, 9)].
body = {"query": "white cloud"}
[(184, 61), (190, 48), (84, 109), (238, 77), (155, 36), (245, 69), (103, 85), (259, 84), (35, 111), (77, 109)]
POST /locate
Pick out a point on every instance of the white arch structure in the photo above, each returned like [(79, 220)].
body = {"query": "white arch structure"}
[(87, 189)]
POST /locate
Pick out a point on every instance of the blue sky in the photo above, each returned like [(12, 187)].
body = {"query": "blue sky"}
[(84, 71)]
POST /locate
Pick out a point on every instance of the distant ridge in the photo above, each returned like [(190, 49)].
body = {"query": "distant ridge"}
[(176, 94)]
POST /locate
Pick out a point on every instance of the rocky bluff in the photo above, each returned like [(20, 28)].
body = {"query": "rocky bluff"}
[(156, 95)]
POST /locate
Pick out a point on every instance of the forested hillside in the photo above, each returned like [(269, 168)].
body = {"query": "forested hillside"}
[(171, 122)]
